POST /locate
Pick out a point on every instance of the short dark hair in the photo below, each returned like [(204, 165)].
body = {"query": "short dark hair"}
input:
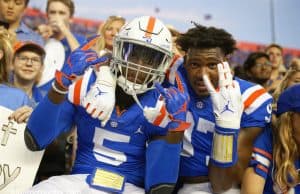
[(252, 57), (274, 45), (203, 37), (68, 3)]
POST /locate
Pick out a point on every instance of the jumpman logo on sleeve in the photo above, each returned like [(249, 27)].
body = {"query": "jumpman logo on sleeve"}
[(139, 130)]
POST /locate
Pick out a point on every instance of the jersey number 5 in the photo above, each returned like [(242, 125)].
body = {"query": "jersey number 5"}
[(107, 155)]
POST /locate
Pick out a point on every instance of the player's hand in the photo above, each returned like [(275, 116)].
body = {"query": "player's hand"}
[(227, 99), (22, 114), (100, 99), (171, 109), (176, 104), (78, 61)]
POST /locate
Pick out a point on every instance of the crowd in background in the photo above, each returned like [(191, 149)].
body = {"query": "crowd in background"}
[(87, 27), (23, 51)]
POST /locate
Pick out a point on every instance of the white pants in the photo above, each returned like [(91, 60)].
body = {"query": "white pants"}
[(74, 184), (203, 188)]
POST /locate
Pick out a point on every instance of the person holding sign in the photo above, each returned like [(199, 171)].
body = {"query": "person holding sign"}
[(18, 165)]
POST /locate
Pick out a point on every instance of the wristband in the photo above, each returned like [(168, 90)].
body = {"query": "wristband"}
[(224, 148), (58, 90)]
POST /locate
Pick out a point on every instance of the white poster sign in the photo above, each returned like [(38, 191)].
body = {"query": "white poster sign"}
[(18, 165)]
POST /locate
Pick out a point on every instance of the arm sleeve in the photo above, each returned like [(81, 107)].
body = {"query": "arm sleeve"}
[(48, 120), (162, 163)]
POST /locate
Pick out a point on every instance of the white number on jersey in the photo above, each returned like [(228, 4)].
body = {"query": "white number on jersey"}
[(269, 111), (203, 126), (107, 155)]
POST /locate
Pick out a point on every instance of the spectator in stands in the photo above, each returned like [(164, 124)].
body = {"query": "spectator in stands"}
[(11, 13), (59, 14), (275, 164), (291, 78), (11, 37), (108, 30), (11, 98), (27, 69), (258, 68), (275, 53)]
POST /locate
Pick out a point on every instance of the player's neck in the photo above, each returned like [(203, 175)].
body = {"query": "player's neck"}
[(123, 100)]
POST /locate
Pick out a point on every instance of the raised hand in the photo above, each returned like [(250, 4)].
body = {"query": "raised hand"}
[(78, 61), (227, 99), (171, 108), (228, 108), (100, 99)]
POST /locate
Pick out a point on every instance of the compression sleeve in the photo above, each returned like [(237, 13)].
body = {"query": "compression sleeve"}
[(48, 120), (162, 163)]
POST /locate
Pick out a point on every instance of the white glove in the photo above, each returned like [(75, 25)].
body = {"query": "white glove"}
[(227, 100), (100, 99)]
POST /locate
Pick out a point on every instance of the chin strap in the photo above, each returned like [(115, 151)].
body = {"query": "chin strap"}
[(137, 100)]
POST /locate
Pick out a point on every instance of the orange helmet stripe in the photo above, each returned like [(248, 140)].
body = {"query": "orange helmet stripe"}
[(150, 27)]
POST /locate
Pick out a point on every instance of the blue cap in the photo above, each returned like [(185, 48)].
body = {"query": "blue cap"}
[(289, 100)]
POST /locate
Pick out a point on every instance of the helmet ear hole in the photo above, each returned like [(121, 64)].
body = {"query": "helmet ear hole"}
[(142, 53)]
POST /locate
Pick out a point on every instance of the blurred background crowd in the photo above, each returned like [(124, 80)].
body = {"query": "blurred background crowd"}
[(87, 27)]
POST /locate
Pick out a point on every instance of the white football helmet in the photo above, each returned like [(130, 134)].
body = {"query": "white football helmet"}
[(142, 53)]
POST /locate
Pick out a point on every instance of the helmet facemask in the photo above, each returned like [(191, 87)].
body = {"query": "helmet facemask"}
[(142, 53), (138, 66)]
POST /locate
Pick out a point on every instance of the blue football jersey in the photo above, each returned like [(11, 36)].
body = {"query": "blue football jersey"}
[(262, 162), (197, 142), (118, 146)]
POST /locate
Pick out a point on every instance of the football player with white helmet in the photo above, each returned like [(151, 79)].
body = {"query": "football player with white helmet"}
[(124, 153)]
